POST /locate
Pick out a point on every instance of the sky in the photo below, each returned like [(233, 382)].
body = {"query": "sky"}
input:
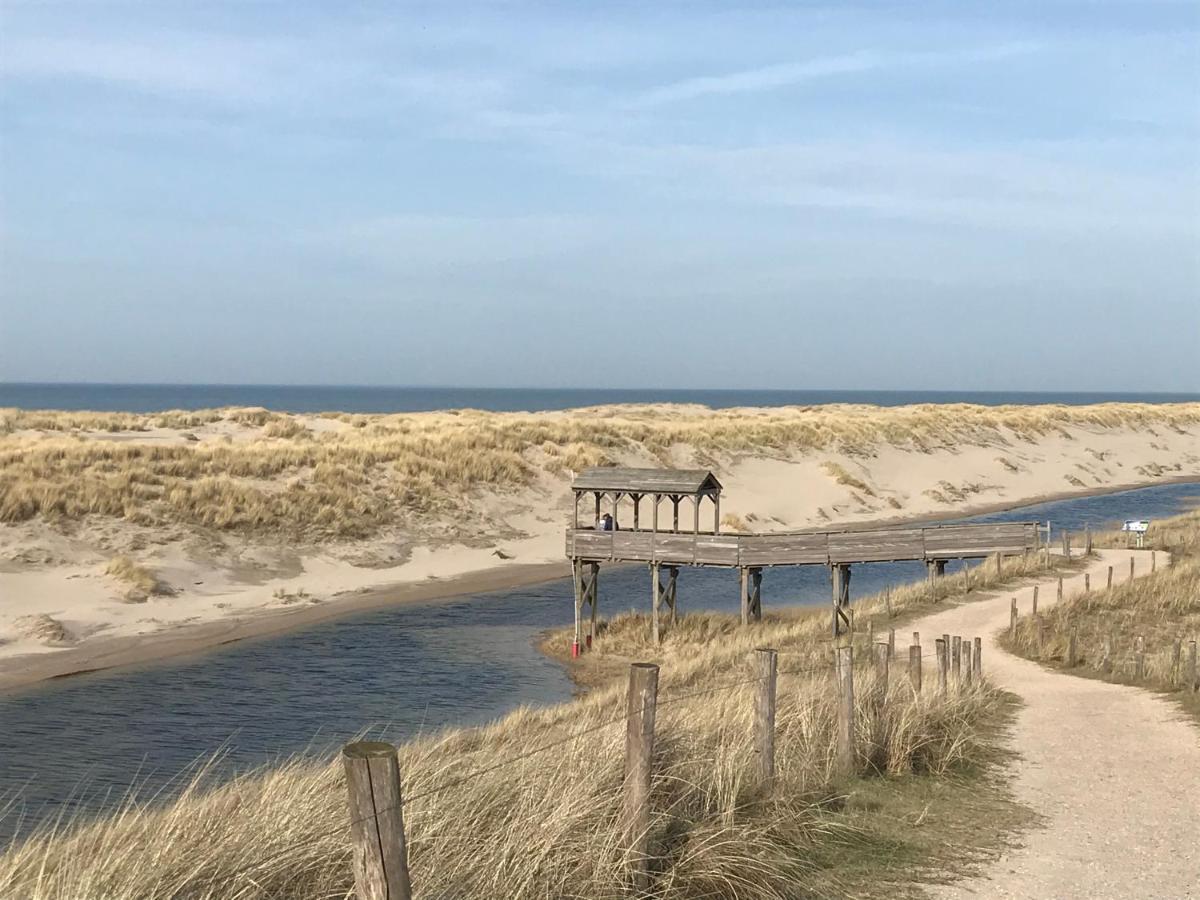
[(947, 195)]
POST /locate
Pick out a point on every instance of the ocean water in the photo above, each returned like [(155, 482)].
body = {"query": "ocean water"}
[(309, 399), (82, 742)]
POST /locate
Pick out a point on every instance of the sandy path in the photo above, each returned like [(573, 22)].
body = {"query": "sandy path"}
[(1114, 770)]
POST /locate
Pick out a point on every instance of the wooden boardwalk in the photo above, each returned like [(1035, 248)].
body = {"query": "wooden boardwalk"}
[(823, 548)]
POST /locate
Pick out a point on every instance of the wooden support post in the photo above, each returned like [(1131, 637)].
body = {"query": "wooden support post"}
[(936, 568), (675, 509), (942, 663), (956, 658), (756, 594), (977, 659), (846, 755), (654, 515), (1193, 678), (696, 514), (672, 595), (577, 581), (655, 599), (641, 704), (379, 853), (840, 573), (1073, 648), (637, 510), (1108, 586), (891, 642), (594, 594), (767, 663), (1139, 660), (597, 494), (716, 513), (1012, 618), (744, 595), (914, 667)]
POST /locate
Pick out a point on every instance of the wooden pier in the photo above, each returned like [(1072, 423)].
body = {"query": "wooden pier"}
[(669, 548)]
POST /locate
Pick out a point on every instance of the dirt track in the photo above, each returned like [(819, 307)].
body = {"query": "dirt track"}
[(1114, 771)]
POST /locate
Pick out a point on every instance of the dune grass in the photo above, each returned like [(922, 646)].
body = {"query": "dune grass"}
[(138, 577), (1162, 610), (355, 474), (547, 825)]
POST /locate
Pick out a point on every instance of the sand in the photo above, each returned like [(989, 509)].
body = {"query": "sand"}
[(1112, 770), (60, 612)]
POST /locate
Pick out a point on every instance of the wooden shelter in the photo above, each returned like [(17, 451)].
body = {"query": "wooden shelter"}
[(656, 484)]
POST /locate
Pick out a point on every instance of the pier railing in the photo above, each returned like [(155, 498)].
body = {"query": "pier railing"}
[(930, 543)]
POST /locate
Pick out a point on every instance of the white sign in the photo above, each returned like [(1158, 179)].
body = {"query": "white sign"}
[(1137, 526)]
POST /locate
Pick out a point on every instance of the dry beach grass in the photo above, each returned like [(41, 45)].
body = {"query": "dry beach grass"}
[(346, 476), (547, 824)]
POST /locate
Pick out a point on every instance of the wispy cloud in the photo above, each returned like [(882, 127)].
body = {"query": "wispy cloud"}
[(772, 77)]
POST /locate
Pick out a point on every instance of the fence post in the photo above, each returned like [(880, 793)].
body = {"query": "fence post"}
[(942, 661), (1066, 541), (380, 855), (977, 659), (914, 667), (1109, 585), (1087, 582), (845, 677), (956, 659), (1072, 647), (767, 663), (640, 705), (967, 674), (1033, 608), (1060, 588), (1193, 673), (1153, 556), (1012, 617), (1131, 568), (882, 660), (1139, 660), (891, 642)]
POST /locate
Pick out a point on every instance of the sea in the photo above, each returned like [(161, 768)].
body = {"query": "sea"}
[(149, 398)]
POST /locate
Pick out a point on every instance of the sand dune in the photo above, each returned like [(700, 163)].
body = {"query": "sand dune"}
[(129, 528)]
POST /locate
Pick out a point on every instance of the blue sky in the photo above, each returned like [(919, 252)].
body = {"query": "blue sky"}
[(947, 195)]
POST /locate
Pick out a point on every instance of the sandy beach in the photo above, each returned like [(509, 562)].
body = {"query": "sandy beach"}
[(85, 591)]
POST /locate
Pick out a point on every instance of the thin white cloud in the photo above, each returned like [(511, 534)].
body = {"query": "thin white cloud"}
[(790, 74)]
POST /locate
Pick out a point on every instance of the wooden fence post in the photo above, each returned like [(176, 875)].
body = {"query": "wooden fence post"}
[(641, 705), (1012, 618), (1060, 588), (379, 854), (767, 664), (1033, 607), (1072, 647), (846, 756), (1087, 582), (882, 659), (956, 659), (891, 642), (1153, 556), (1066, 542), (967, 674), (977, 659), (914, 667), (1087, 540), (1193, 672), (942, 662), (1108, 586), (1131, 568)]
